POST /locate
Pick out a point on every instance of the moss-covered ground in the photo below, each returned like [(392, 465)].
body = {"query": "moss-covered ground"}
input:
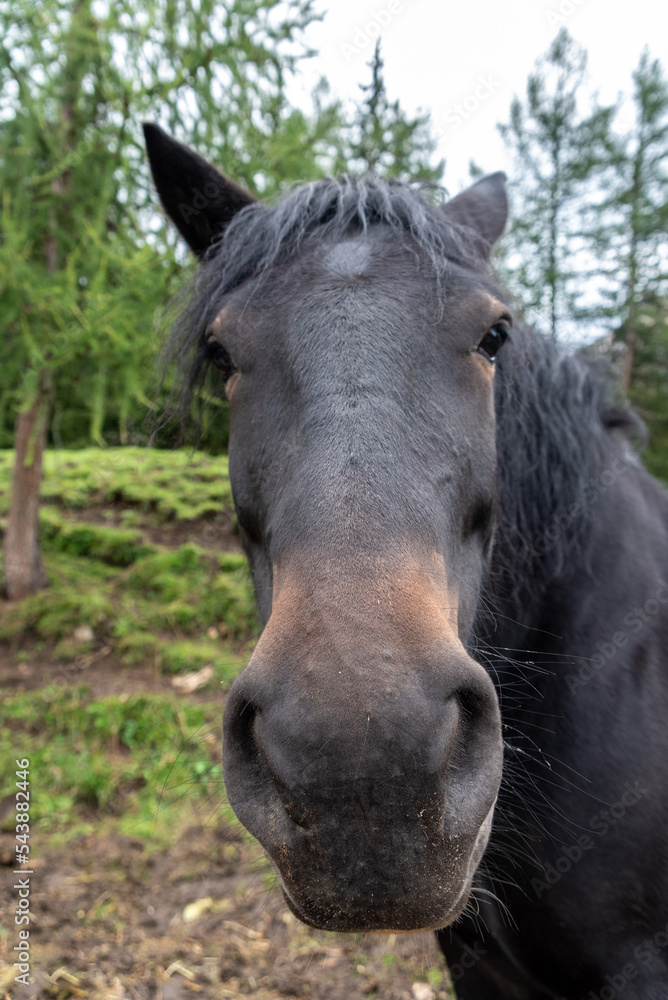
[(145, 573), (137, 551)]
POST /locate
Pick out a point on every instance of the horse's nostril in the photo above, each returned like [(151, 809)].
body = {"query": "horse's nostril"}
[(278, 770), (241, 724), (260, 784), (244, 763)]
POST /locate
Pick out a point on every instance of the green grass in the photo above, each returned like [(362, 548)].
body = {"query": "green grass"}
[(173, 485), (114, 546), (119, 582), (178, 607), (131, 761)]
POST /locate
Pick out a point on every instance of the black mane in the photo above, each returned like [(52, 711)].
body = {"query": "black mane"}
[(557, 454)]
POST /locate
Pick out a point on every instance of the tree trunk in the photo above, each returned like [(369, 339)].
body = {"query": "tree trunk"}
[(628, 360), (24, 571), (634, 250)]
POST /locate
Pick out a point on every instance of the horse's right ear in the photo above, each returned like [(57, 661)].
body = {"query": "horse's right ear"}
[(198, 199)]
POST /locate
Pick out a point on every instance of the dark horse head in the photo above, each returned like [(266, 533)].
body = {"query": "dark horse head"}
[(355, 332)]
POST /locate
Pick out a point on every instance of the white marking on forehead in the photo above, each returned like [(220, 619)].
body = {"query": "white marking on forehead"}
[(350, 259)]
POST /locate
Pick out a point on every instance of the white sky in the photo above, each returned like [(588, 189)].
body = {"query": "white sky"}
[(437, 53)]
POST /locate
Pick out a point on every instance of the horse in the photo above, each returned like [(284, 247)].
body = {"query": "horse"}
[(455, 716)]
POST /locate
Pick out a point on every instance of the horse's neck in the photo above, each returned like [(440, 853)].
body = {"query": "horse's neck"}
[(584, 664)]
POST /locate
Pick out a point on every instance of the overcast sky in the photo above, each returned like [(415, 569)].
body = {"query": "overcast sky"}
[(441, 54)]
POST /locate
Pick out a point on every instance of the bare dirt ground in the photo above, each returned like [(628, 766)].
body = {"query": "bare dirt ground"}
[(114, 920)]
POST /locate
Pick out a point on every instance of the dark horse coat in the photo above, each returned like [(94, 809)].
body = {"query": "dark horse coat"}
[(455, 717)]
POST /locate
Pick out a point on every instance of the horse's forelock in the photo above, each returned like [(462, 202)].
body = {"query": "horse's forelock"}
[(259, 237)]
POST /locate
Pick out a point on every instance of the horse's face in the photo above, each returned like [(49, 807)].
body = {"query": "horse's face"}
[(362, 742)]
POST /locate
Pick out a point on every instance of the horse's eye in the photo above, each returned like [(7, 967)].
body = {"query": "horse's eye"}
[(493, 341), (220, 359)]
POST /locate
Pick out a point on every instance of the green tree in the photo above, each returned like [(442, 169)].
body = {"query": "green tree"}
[(630, 223), (648, 389), (384, 140), (78, 283), (557, 152)]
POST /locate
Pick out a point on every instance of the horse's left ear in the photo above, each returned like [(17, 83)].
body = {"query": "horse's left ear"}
[(199, 200), (482, 207)]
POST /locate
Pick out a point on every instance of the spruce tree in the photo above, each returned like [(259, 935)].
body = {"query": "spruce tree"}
[(630, 231), (557, 152), (384, 141)]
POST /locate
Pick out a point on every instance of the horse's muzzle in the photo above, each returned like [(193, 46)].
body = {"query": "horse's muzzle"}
[(371, 789)]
